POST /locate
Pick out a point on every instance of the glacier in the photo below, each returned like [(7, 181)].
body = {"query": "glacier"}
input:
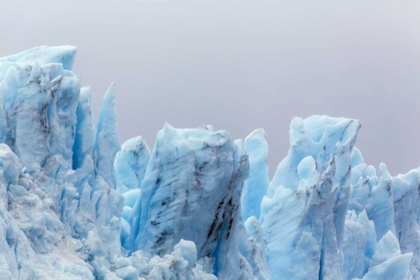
[(75, 203)]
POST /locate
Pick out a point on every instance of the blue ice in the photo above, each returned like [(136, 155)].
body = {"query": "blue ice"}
[(75, 204)]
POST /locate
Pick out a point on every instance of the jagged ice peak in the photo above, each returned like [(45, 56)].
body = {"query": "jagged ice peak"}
[(77, 204)]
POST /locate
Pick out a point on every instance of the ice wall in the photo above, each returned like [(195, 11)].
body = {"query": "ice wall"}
[(74, 204)]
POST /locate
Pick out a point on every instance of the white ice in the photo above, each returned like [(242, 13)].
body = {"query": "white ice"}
[(75, 204)]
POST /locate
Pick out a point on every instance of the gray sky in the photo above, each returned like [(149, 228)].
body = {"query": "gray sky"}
[(240, 65)]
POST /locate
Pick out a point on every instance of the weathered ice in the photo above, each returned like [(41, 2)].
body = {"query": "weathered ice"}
[(76, 204)]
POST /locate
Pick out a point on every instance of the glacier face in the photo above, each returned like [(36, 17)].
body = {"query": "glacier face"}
[(76, 204)]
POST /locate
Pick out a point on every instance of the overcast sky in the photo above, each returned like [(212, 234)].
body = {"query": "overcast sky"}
[(240, 65)]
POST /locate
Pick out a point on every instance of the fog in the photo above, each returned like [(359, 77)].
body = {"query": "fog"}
[(241, 65)]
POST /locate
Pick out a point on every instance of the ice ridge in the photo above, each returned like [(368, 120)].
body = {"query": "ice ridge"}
[(76, 204)]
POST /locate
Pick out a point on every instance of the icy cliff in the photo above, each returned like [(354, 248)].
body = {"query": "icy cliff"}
[(76, 204)]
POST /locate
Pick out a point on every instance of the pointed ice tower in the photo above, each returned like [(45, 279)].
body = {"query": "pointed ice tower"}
[(84, 139), (304, 211), (131, 163), (107, 144), (191, 190), (256, 185)]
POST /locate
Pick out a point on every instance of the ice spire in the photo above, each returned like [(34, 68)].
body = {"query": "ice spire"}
[(255, 187), (106, 143), (130, 164), (304, 211), (84, 139)]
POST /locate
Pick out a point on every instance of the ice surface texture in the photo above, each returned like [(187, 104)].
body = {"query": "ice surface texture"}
[(76, 204)]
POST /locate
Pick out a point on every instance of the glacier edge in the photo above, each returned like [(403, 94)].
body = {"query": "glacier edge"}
[(76, 204)]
